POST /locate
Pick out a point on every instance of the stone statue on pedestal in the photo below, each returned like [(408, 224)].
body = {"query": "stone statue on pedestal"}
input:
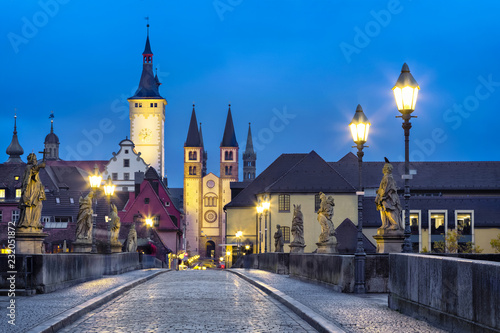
[(115, 225), (29, 233), (32, 195), (387, 202), (278, 239), (325, 214), (84, 219), (327, 239), (298, 244), (390, 235), (132, 239)]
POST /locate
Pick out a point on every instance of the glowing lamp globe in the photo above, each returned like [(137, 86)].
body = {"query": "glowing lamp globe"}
[(360, 126), (95, 179), (406, 91), (109, 187)]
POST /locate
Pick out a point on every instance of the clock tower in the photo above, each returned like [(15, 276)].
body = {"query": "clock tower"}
[(147, 115)]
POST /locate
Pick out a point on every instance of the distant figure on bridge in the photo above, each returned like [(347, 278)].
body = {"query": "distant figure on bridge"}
[(278, 239), (387, 201)]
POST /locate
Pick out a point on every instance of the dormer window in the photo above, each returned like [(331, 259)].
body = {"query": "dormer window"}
[(18, 193), (126, 151), (16, 178), (2, 194)]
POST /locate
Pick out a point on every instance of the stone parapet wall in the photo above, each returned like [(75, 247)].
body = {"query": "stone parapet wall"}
[(335, 270), (459, 295), (57, 271)]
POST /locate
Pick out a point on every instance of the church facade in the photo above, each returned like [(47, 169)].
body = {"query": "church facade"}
[(205, 195)]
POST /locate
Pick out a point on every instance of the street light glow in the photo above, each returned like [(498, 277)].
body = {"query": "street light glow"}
[(406, 91), (149, 222), (239, 234), (266, 205), (95, 179), (109, 187), (360, 126)]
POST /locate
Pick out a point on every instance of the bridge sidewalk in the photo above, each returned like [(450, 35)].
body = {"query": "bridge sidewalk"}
[(50, 312), (330, 311)]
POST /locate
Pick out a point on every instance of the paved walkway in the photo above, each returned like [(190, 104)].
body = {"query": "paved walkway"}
[(192, 301), (59, 306), (348, 312), (212, 300)]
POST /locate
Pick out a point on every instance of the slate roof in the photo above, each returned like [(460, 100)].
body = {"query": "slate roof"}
[(433, 176), (193, 137), (293, 173), (347, 237), (229, 137), (249, 147), (14, 150), (148, 85)]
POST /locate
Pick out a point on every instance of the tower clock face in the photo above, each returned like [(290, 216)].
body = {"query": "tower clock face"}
[(146, 135)]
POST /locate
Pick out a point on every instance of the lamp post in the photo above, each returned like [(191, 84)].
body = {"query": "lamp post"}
[(265, 206), (406, 93), (260, 210), (109, 190), (360, 126), (238, 236), (95, 182)]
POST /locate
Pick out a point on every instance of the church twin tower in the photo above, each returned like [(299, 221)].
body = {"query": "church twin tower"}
[(204, 194)]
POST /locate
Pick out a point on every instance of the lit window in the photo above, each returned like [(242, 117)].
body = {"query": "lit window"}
[(126, 176), (284, 202), (437, 228), (416, 230), (126, 163), (58, 201), (2, 194), (18, 193), (72, 201), (16, 178), (464, 224)]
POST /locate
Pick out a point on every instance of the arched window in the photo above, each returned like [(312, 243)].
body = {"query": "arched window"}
[(226, 170), (195, 155), (194, 170), (190, 155), (230, 170), (190, 170), (230, 155)]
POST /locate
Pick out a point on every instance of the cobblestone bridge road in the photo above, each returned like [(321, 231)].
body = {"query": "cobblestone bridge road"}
[(192, 301)]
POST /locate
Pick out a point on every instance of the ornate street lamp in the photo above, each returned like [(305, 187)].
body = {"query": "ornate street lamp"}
[(360, 127), (95, 182), (260, 210), (109, 190), (406, 93)]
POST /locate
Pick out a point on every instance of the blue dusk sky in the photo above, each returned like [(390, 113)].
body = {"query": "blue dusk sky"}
[(295, 69)]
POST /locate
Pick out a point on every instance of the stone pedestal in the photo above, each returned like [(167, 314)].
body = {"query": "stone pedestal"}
[(116, 247), (296, 248), (82, 247), (389, 241), (30, 242), (327, 247)]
